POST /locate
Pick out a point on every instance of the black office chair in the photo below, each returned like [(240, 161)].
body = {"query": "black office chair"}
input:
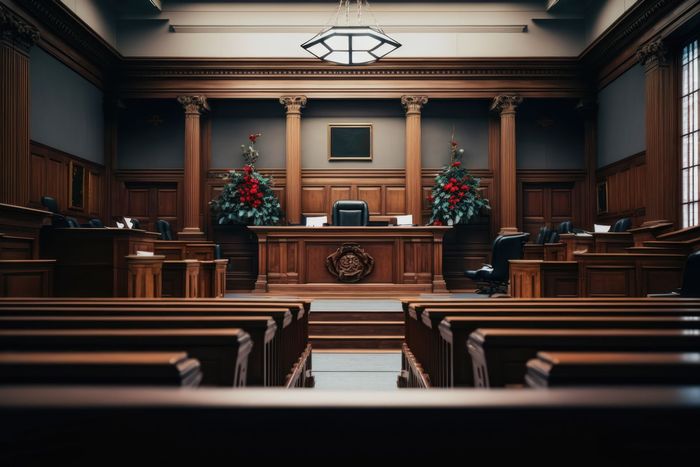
[(72, 222), (50, 203), (565, 227), (95, 223), (553, 237), (217, 251), (496, 275), (350, 213), (163, 227), (622, 225), (691, 279), (543, 235), (135, 223)]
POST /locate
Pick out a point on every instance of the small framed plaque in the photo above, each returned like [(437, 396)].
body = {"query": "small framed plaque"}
[(350, 142), (602, 196), (77, 186)]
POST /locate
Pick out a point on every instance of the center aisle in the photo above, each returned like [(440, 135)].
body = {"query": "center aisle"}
[(360, 371)]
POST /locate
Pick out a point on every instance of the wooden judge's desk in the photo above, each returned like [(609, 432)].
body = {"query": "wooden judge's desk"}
[(342, 260)]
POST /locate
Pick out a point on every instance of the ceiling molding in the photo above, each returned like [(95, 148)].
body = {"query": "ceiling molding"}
[(312, 29)]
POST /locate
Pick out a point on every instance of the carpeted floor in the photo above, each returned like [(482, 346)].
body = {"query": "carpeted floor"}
[(356, 371)]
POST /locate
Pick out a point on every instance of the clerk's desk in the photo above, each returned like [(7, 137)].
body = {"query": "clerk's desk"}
[(91, 262), (407, 259)]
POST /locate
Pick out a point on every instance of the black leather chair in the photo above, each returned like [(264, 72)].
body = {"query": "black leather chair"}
[(622, 225), (95, 223), (49, 202), (217, 251), (496, 275), (565, 227), (72, 222), (135, 223), (691, 279), (553, 237), (543, 236), (350, 213), (163, 227)]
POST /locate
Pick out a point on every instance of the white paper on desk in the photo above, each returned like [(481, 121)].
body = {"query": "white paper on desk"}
[(316, 221), (601, 228), (584, 234), (129, 223), (120, 225), (404, 220), (144, 253)]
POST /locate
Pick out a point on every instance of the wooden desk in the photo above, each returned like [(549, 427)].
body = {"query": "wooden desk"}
[(20, 227), (573, 243), (92, 262), (405, 259), (536, 278)]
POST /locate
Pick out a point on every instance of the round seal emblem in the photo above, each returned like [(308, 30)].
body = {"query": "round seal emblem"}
[(350, 263)]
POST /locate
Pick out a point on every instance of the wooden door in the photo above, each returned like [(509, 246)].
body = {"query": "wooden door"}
[(545, 204), (149, 202)]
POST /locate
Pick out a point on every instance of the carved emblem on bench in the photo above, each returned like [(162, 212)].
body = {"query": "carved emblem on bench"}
[(350, 263)]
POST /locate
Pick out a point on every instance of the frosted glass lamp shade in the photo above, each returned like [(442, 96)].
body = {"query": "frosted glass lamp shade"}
[(351, 45)]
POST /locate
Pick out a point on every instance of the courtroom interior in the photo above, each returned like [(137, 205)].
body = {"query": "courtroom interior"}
[(332, 230)]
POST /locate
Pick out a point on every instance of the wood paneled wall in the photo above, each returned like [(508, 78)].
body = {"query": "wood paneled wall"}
[(626, 193), (49, 171), (149, 195)]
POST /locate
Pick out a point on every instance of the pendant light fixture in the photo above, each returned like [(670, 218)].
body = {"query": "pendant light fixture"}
[(348, 43)]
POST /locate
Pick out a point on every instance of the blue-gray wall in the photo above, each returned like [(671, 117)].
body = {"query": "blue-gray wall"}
[(233, 121), (66, 109), (151, 135), (549, 135), (621, 115), (470, 121)]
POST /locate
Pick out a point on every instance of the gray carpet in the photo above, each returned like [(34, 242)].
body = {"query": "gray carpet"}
[(349, 304), (356, 371)]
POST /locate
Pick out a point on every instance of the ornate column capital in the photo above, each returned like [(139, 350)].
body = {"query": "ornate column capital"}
[(14, 30), (506, 103), (194, 105), (293, 104), (413, 104), (653, 53)]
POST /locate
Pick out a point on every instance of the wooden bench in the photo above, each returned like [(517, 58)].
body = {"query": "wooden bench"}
[(499, 355), (222, 353), (626, 426), (291, 339), (454, 367), (422, 340), (263, 361), (100, 368), (562, 369)]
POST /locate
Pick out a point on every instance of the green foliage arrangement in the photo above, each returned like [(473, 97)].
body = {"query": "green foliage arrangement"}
[(455, 197), (247, 198)]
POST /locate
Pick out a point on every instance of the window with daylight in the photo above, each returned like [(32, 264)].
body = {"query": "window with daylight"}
[(690, 134)]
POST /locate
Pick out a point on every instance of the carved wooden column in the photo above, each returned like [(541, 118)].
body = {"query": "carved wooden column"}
[(194, 106), (16, 38), (661, 135), (293, 104), (589, 112), (414, 189), (506, 105)]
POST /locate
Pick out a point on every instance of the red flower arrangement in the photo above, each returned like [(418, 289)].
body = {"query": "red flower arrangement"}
[(455, 197), (248, 198)]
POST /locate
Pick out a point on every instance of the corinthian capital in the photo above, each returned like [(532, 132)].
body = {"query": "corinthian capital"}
[(653, 53), (193, 104), (413, 104), (16, 31), (506, 103), (293, 104)]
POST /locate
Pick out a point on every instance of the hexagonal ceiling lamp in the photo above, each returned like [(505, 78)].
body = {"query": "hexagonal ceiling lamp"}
[(351, 45)]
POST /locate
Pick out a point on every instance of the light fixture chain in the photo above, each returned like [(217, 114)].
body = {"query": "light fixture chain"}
[(376, 22)]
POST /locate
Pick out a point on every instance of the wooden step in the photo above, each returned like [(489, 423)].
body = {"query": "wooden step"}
[(356, 342), (356, 316), (350, 328)]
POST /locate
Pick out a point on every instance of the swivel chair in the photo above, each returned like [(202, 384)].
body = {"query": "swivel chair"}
[(350, 213), (691, 279), (72, 222), (543, 235), (163, 227), (95, 223), (135, 223), (565, 227), (622, 225), (49, 202), (496, 276)]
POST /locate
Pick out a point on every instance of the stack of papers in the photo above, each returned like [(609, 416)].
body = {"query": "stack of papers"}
[(144, 253), (316, 221), (601, 228), (404, 220)]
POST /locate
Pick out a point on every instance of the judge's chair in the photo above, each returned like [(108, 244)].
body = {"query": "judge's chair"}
[(691, 279), (622, 225), (350, 213), (163, 228), (496, 275)]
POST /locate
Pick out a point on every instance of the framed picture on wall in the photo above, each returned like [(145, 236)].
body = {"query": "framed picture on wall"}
[(350, 142), (602, 196), (76, 197)]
